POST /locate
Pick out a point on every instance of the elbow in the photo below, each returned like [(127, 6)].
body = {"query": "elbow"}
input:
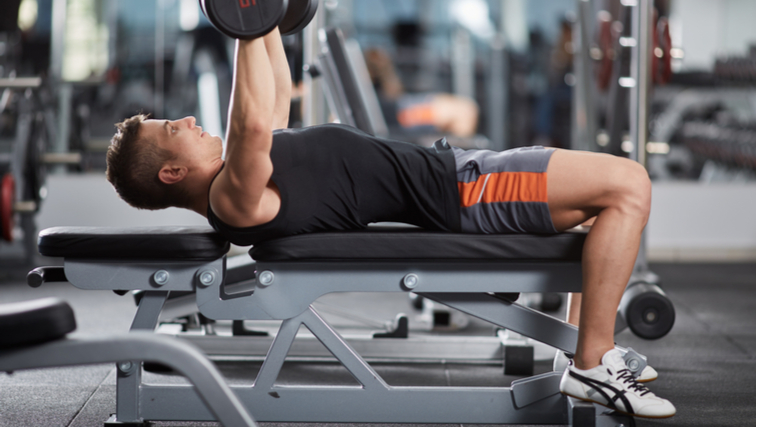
[(258, 125), (251, 136), (251, 127)]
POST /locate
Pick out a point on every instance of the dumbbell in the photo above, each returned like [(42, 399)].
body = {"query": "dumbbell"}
[(34, 172), (647, 311), (250, 19), (661, 56), (9, 206)]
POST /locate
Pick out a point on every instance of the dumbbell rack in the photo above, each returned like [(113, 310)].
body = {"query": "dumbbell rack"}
[(24, 160), (15, 164)]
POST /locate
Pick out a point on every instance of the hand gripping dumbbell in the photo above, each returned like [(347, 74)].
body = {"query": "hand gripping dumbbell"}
[(250, 19)]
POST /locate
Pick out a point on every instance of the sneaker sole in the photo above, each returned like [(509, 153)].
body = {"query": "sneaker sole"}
[(640, 381), (616, 409)]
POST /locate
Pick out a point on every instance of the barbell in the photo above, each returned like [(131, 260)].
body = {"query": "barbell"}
[(250, 19)]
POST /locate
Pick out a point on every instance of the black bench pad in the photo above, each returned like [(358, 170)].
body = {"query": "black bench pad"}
[(374, 244), (169, 243), (396, 244), (34, 322)]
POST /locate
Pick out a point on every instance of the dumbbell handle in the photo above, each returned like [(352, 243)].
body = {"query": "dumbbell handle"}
[(20, 83), (40, 275), (62, 158), (50, 158), (25, 206)]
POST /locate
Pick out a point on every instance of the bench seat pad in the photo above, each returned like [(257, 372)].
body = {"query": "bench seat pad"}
[(373, 244), (171, 243), (397, 244)]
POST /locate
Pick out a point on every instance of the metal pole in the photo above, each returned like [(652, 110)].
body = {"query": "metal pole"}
[(57, 33), (584, 106), (641, 74), (498, 117), (639, 111), (158, 90), (462, 63), (313, 101), (63, 90)]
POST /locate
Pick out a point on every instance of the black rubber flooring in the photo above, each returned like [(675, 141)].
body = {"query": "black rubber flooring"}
[(706, 364)]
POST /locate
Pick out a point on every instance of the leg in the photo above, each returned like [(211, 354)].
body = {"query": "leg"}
[(574, 299), (455, 114), (574, 308), (617, 191)]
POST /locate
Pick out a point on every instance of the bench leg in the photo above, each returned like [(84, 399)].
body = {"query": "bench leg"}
[(129, 377)]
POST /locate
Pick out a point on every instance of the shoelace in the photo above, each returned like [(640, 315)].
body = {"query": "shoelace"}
[(628, 378)]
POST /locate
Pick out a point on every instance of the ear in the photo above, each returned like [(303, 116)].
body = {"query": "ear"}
[(172, 174)]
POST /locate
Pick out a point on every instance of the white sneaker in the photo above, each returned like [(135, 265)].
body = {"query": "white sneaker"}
[(561, 361), (611, 384)]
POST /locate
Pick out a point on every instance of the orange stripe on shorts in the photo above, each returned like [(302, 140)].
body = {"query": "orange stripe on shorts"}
[(417, 115), (504, 187)]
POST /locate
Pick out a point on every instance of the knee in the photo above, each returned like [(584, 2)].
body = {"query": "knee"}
[(634, 190)]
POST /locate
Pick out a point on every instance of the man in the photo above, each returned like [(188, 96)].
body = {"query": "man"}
[(328, 177)]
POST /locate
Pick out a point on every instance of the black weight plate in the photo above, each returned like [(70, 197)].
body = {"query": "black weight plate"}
[(35, 171), (244, 19), (650, 315), (298, 16)]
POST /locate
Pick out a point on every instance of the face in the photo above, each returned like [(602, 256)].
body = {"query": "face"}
[(183, 138)]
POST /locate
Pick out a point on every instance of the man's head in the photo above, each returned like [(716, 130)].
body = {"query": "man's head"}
[(151, 162)]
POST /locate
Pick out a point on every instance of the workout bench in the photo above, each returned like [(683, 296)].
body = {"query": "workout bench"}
[(465, 272)]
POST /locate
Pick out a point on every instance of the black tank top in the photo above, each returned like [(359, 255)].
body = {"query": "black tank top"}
[(335, 177)]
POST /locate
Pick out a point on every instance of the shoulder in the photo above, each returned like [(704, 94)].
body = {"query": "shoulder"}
[(241, 202)]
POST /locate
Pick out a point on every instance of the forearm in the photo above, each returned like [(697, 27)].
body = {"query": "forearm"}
[(253, 93), (249, 131), (282, 79)]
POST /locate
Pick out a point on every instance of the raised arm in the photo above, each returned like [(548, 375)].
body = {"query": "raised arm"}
[(282, 80), (236, 194)]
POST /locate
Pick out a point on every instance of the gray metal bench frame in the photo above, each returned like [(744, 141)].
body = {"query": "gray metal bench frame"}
[(207, 384), (287, 293)]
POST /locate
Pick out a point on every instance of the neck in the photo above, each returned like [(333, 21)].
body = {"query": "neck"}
[(199, 193)]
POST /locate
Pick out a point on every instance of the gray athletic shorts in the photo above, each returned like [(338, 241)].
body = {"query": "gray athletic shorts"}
[(504, 192)]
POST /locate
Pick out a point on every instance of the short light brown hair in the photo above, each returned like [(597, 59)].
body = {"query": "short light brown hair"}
[(133, 162)]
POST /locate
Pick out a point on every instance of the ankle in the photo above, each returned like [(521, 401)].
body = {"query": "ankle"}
[(588, 360), (584, 364)]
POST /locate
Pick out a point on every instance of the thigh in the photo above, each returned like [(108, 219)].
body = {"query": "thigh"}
[(580, 184), (504, 192)]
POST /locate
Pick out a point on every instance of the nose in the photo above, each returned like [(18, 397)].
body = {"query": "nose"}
[(189, 121)]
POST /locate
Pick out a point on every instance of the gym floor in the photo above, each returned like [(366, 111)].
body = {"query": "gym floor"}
[(706, 363)]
